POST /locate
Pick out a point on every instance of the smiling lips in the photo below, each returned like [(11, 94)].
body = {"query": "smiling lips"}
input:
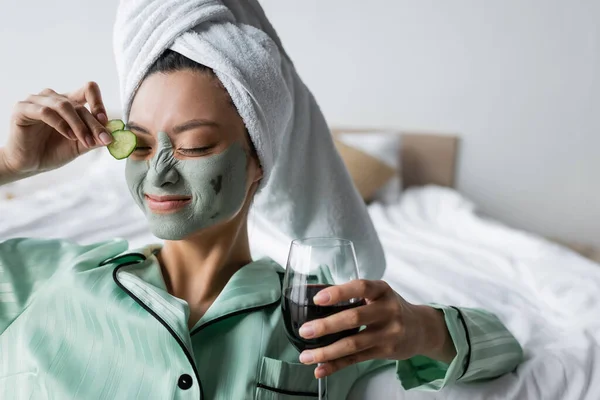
[(166, 204)]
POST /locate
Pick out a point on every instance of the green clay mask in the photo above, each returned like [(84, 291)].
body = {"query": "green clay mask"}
[(216, 185)]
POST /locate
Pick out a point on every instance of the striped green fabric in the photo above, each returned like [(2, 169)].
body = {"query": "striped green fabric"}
[(76, 326), (485, 350)]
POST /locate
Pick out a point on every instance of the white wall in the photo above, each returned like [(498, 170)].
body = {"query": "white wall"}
[(518, 79), (58, 44)]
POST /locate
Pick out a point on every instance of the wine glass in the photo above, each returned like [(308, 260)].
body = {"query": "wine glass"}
[(314, 264)]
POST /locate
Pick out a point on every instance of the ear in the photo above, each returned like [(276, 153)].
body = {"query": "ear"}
[(254, 168), (258, 171)]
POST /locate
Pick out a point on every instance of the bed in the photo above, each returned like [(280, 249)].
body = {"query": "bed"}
[(547, 295)]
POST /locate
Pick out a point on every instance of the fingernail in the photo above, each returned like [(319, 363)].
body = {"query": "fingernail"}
[(307, 331), (72, 134), (306, 357), (102, 118), (320, 372), (322, 298), (89, 140), (105, 138)]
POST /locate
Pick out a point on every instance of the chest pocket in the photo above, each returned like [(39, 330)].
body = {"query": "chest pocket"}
[(280, 380)]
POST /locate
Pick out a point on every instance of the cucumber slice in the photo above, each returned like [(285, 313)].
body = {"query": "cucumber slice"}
[(123, 144), (115, 125)]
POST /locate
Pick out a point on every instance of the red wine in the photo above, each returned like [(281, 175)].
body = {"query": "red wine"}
[(298, 307)]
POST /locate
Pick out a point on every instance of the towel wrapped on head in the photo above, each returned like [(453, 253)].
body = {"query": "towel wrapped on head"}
[(306, 190)]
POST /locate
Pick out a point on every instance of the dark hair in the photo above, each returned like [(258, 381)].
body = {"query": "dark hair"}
[(171, 61)]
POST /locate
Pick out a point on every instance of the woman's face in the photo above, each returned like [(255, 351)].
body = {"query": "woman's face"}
[(192, 167)]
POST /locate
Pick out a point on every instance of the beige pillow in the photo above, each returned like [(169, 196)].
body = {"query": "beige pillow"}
[(368, 173)]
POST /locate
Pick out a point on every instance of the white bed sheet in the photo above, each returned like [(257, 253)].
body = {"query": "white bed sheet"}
[(437, 249)]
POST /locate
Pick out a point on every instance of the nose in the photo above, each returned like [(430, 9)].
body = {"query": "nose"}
[(162, 176), (162, 171)]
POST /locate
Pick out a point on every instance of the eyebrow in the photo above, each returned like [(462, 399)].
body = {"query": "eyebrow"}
[(186, 126), (133, 125), (194, 123)]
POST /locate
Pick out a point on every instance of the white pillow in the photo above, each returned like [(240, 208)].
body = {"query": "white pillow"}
[(385, 146)]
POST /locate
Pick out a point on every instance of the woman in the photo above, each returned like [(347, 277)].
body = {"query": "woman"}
[(197, 317)]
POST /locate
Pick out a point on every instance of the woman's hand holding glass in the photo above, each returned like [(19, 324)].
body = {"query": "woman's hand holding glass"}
[(395, 329), (49, 130)]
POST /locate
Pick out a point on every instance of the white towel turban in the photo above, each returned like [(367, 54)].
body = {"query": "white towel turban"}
[(306, 190)]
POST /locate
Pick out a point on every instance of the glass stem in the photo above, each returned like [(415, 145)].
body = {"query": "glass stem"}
[(322, 386)]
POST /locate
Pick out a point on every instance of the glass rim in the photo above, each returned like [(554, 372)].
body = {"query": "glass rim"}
[(322, 241)]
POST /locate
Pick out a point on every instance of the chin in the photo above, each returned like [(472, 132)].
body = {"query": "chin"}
[(170, 230)]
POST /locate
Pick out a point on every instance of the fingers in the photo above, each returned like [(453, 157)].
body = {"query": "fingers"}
[(66, 111), (90, 94), (342, 348), (82, 125), (342, 321), (99, 132), (35, 112), (96, 118), (356, 289), (331, 367)]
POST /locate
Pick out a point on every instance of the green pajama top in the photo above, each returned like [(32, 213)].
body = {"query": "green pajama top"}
[(96, 322)]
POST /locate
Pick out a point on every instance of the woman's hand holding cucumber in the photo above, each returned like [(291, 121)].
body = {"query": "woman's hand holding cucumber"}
[(49, 130)]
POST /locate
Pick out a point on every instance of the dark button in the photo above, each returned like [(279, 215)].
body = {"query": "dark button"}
[(185, 382)]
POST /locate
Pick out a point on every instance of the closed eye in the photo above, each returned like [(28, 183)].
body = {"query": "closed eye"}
[(195, 151)]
